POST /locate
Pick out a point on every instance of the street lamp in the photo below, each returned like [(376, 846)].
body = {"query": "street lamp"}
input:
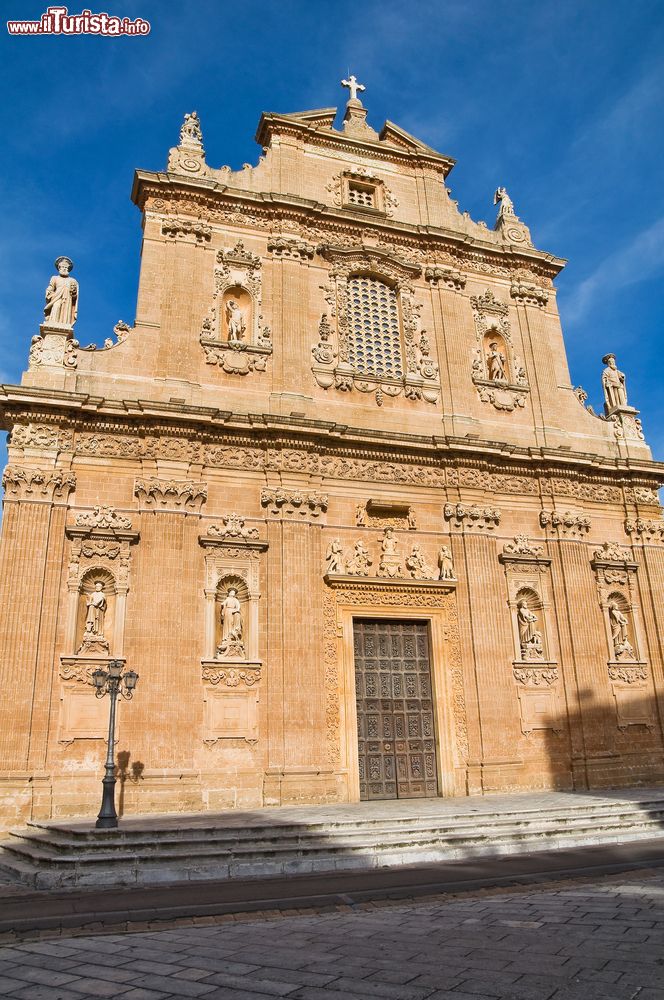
[(111, 682)]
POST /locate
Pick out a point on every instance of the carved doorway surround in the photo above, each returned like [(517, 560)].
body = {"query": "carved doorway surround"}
[(432, 604), (395, 727)]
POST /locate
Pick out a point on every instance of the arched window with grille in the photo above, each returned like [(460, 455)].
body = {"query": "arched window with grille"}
[(374, 339)]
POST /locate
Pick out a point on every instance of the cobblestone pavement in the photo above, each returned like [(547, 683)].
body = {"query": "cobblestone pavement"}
[(597, 939)]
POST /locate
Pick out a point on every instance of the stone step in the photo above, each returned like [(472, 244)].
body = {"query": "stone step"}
[(49, 855), (65, 837)]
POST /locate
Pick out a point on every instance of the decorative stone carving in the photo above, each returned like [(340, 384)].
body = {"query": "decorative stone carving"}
[(381, 199), (522, 546), (294, 503), (189, 156), (445, 563), (231, 645), (233, 335), (230, 676), (416, 374), (448, 275), (508, 224), (417, 565), (290, 249), (174, 228), (612, 552), (568, 524), (537, 676), (390, 560), (233, 527), (526, 294), (37, 484), (497, 373), (170, 494), (359, 562), (103, 517), (385, 514), (334, 557), (628, 673), (61, 306), (465, 516), (646, 530)]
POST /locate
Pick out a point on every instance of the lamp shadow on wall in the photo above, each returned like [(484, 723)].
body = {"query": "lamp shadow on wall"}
[(124, 773)]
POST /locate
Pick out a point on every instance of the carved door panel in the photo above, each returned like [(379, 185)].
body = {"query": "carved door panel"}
[(397, 753)]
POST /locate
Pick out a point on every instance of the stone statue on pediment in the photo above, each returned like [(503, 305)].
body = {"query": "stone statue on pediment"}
[(61, 306), (613, 383), (445, 563)]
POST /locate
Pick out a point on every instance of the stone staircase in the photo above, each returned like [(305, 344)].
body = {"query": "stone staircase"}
[(302, 840)]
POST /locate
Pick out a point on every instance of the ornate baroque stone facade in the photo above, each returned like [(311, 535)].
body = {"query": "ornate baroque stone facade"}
[(335, 471)]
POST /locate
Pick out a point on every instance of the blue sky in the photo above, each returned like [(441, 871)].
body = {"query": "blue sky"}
[(562, 103)]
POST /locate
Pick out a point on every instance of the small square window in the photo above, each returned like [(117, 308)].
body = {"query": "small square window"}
[(363, 195)]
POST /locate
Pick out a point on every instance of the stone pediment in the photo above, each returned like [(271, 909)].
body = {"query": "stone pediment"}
[(322, 117)]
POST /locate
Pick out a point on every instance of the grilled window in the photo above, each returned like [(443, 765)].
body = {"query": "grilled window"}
[(363, 195), (373, 323)]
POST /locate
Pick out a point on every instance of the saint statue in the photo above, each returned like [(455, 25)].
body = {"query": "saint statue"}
[(96, 609), (613, 382), (495, 363), (619, 634), (235, 320), (61, 306), (190, 132), (231, 625), (390, 561), (530, 639), (506, 204), (445, 563), (360, 560), (334, 557), (417, 565)]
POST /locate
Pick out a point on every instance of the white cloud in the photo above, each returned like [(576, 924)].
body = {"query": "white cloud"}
[(642, 258)]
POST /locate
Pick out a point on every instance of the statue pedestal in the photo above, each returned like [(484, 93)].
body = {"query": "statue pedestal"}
[(627, 423), (53, 347)]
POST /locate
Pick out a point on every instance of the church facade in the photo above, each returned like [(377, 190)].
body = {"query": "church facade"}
[(333, 497)]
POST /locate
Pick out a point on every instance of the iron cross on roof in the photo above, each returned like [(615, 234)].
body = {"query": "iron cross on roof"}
[(353, 86)]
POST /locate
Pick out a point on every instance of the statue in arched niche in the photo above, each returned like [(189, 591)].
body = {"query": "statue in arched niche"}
[(530, 638), (495, 363), (235, 320), (96, 607), (622, 647), (231, 644)]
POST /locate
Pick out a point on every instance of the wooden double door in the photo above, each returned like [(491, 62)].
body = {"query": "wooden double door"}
[(396, 741)]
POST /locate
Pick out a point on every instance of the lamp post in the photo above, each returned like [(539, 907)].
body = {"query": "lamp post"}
[(111, 682)]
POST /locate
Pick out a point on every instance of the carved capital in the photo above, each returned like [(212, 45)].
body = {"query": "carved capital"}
[(647, 531), (290, 249), (170, 494), (471, 516), (46, 485), (529, 294), (567, 524), (298, 504), (181, 228), (447, 275)]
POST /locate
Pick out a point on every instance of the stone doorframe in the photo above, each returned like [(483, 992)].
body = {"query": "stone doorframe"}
[(350, 597)]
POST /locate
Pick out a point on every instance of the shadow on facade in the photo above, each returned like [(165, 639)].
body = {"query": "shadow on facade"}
[(124, 773)]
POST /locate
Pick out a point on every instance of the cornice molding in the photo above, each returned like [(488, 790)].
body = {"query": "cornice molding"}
[(142, 419)]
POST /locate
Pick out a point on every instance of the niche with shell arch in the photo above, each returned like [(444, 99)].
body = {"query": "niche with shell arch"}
[(232, 618), (95, 628), (621, 627), (236, 315), (531, 630)]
